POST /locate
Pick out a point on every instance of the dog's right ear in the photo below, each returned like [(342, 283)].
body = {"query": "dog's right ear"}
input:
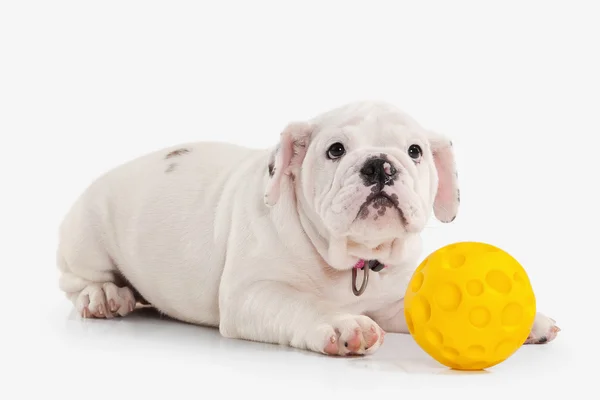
[(287, 158)]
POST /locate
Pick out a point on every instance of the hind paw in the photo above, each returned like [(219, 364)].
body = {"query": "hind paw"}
[(544, 330), (105, 300)]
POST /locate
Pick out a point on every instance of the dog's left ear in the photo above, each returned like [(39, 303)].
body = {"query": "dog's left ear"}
[(447, 198), (287, 158)]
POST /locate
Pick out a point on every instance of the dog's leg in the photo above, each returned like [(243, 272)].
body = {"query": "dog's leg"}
[(391, 318), (544, 330), (88, 275), (277, 313)]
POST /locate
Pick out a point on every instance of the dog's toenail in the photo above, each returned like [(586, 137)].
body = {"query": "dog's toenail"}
[(543, 339), (346, 344)]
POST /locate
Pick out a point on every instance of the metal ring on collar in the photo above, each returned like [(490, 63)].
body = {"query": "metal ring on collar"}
[(363, 286)]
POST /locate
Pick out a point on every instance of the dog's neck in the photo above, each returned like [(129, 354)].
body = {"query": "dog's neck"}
[(341, 252)]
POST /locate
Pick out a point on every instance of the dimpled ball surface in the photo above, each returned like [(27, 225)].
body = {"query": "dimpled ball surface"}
[(469, 305)]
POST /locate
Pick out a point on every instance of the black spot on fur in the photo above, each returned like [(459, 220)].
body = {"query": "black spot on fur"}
[(176, 153), (271, 169), (543, 339), (364, 213), (381, 202), (171, 167)]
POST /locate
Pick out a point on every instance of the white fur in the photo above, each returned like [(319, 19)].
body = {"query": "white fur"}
[(207, 236)]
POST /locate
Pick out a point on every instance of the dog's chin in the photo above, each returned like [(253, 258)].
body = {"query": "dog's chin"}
[(379, 219)]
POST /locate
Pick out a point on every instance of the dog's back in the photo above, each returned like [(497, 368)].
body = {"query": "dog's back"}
[(152, 222)]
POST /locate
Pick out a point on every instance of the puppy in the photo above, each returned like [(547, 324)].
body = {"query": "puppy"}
[(270, 245)]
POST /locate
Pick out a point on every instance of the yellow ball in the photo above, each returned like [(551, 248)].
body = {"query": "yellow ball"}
[(469, 305)]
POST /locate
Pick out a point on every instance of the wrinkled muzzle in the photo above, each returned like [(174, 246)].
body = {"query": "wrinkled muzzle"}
[(373, 194)]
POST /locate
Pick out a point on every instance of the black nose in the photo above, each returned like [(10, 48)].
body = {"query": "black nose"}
[(377, 170)]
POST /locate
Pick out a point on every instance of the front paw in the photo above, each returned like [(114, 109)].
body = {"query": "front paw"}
[(544, 330), (346, 335)]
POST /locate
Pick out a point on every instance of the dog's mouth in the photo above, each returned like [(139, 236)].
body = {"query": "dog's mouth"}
[(381, 199), (381, 202)]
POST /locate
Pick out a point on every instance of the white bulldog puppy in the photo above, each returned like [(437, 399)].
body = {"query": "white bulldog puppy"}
[(270, 245)]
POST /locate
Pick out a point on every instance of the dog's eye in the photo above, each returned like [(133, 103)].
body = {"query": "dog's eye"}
[(415, 152), (335, 151)]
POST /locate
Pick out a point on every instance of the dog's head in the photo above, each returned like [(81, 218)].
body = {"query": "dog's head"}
[(365, 177)]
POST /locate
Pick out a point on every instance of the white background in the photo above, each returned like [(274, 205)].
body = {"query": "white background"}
[(87, 85)]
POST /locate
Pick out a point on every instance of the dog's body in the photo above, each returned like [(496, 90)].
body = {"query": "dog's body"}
[(261, 243)]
